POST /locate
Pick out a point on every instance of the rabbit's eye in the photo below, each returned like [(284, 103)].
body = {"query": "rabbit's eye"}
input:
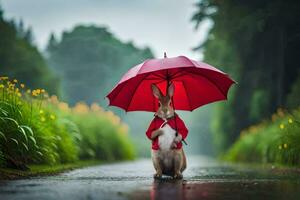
[(159, 104)]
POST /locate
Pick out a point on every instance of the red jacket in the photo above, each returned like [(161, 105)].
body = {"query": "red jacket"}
[(157, 122)]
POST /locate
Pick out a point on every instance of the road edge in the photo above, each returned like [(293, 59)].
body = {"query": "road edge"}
[(44, 170)]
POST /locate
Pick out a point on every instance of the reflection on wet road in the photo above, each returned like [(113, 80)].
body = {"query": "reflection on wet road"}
[(203, 179)]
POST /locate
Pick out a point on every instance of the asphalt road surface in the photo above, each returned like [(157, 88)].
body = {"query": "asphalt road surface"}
[(203, 179)]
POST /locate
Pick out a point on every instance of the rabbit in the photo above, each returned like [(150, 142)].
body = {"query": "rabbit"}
[(167, 153)]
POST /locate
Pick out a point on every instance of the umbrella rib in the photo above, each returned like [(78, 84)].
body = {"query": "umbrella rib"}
[(183, 83), (187, 71), (136, 89), (176, 73), (159, 76)]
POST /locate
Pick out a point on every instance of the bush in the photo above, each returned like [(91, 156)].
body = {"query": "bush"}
[(104, 137), (41, 130), (274, 141)]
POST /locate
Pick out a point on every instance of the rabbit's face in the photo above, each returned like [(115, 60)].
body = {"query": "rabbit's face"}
[(165, 109)]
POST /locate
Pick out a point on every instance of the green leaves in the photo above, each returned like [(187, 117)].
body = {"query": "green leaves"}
[(25, 146), (32, 139), (10, 123), (14, 140), (3, 112), (272, 141), (26, 138), (23, 133), (3, 136), (27, 129)]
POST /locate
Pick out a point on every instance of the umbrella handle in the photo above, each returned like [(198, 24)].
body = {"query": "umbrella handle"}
[(182, 139), (175, 119)]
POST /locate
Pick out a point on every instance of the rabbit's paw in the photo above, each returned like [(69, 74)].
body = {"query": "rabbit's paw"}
[(173, 145), (156, 133), (157, 175), (177, 175), (178, 138)]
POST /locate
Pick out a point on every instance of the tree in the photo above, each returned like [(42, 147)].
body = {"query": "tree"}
[(90, 61), (255, 42), (21, 60)]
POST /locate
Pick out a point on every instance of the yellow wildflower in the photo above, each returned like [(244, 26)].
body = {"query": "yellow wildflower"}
[(285, 145), (41, 112), (281, 126), (43, 119), (34, 93), (38, 91), (28, 91), (22, 85), (15, 80), (42, 91), (1, 86), (279, 147), (52, 117), (10, 85), (290, 120), (19, 94)]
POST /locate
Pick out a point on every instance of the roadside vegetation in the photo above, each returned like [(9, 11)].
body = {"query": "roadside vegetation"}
[(272, 141), (41, 130), (243, 44)]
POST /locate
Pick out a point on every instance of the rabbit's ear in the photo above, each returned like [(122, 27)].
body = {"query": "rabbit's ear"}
[(156, 91), (171, 90)]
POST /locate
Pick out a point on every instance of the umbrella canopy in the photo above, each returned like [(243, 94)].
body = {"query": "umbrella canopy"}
[(196, 84)]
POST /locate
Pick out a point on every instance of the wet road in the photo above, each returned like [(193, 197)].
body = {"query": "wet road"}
[(203, 179)]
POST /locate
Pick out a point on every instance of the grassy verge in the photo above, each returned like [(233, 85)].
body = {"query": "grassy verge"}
[(44, 170), (38, 129), (275, 141)]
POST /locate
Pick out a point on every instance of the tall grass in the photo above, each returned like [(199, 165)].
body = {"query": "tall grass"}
[(273, 141), (37, 129)]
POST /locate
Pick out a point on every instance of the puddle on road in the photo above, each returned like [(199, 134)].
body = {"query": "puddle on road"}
[(225, 182), (220, 189), (204, 179)]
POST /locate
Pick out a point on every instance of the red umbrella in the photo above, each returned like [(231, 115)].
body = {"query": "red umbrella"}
[(196, 84)]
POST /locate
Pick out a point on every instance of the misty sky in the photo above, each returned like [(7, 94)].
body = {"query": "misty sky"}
[(163, 25)]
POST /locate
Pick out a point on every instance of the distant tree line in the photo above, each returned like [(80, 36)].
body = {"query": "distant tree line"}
[(20, 59), (90, 60), (83, 66), (257, 42)]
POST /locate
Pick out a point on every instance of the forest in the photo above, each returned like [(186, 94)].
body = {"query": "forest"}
[(257, 42)]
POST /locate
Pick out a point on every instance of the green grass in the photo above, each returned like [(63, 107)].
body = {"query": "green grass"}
[(44, 170), (272, 141), (103, 137), (37, 129)]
